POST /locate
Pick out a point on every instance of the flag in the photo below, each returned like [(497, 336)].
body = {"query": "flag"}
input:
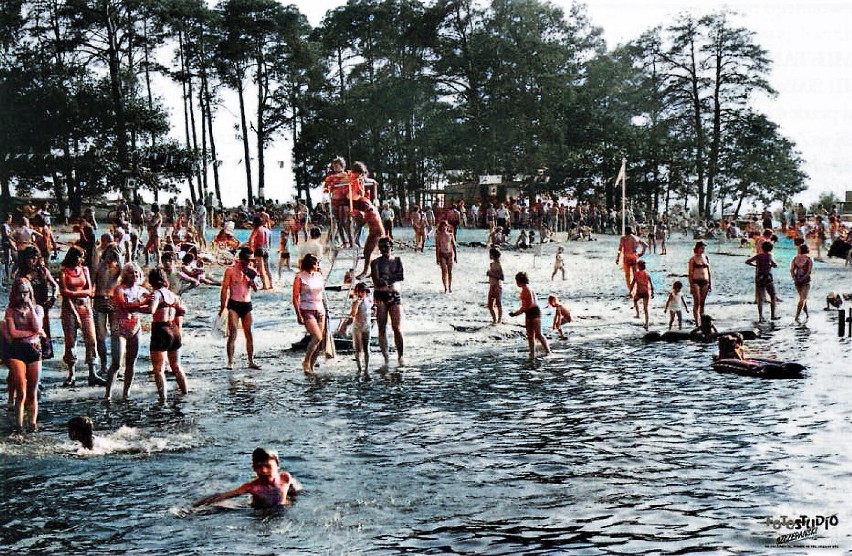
[(622, 173)]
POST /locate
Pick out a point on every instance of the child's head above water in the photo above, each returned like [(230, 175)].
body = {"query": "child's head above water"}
[(262, 455), (80, 428)]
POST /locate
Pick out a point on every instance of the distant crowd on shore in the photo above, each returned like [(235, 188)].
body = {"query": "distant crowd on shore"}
[(104, 290)]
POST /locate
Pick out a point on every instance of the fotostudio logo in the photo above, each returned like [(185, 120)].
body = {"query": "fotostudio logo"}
[(800, 528)]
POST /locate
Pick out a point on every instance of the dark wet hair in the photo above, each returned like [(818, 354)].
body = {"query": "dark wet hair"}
[(256, 221), (157, 278), (641, 265), (167, 257), (188, 258), (678, 285), (494, 253), (262, 455), (803, 249), (385, 241), (244, 254), (80, 428), (315, 233), (308, 262), (767, 246), (698, 245), (522, 278), (628, 230), (73, 256)]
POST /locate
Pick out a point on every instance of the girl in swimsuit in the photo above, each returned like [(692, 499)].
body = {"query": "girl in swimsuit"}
[(23, 330), (700, 283), (532, 315), (129, 298), (800, 271), (166, 313), (308, 288), (76, 288)]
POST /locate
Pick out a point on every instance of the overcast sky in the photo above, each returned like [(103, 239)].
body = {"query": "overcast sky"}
[(808, 42)]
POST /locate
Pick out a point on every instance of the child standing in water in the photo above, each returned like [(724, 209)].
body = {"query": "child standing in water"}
[(558, 264), (560, 316), (361, 315), (642, 288), (675, 304), (495, 286), (532, 315), (271, 488), (763, 264)]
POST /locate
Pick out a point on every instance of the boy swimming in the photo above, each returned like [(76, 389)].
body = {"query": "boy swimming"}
[(272, 487)]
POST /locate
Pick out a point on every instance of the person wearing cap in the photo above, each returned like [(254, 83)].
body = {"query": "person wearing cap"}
[(271, 487), (235, 295)]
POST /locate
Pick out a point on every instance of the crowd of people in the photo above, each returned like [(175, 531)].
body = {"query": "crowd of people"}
[(104, 291)]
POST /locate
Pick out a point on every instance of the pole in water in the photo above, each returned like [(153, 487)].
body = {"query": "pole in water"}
[(844, 323), (849, 321)]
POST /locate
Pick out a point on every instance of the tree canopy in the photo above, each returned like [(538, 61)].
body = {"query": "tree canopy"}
[(415, 89)]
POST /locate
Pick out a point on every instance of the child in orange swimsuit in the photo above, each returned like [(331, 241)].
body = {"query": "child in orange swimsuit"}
[(642, 288)]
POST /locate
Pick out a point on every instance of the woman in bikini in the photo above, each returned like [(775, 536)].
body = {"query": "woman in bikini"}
[(23, 330), (77, 289), (308, 288), (129, 298), (800, 271), (700, 282), (166, 314)]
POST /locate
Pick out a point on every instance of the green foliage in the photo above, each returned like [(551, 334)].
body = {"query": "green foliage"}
[(511, 87)]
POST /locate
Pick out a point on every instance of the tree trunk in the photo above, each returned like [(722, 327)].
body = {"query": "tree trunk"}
[(116, 93), (186, 102), (246, 151), (205, 85)]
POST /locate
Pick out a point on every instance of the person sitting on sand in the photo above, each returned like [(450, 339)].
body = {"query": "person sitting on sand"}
[(194, 268), (226, 239), (835, 300), (271, 488), (561, 315)]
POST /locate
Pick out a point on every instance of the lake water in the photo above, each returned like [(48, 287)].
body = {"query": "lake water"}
[(610, 446)]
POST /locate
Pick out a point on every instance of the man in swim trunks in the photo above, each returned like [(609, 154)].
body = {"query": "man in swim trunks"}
[(237, 285), (627, 254), (445, 254)]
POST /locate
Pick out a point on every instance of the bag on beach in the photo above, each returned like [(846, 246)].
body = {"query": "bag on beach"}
[(220, 324)]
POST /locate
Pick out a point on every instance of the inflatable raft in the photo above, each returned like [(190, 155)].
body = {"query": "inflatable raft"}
[(682, 335), (759, 367)]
